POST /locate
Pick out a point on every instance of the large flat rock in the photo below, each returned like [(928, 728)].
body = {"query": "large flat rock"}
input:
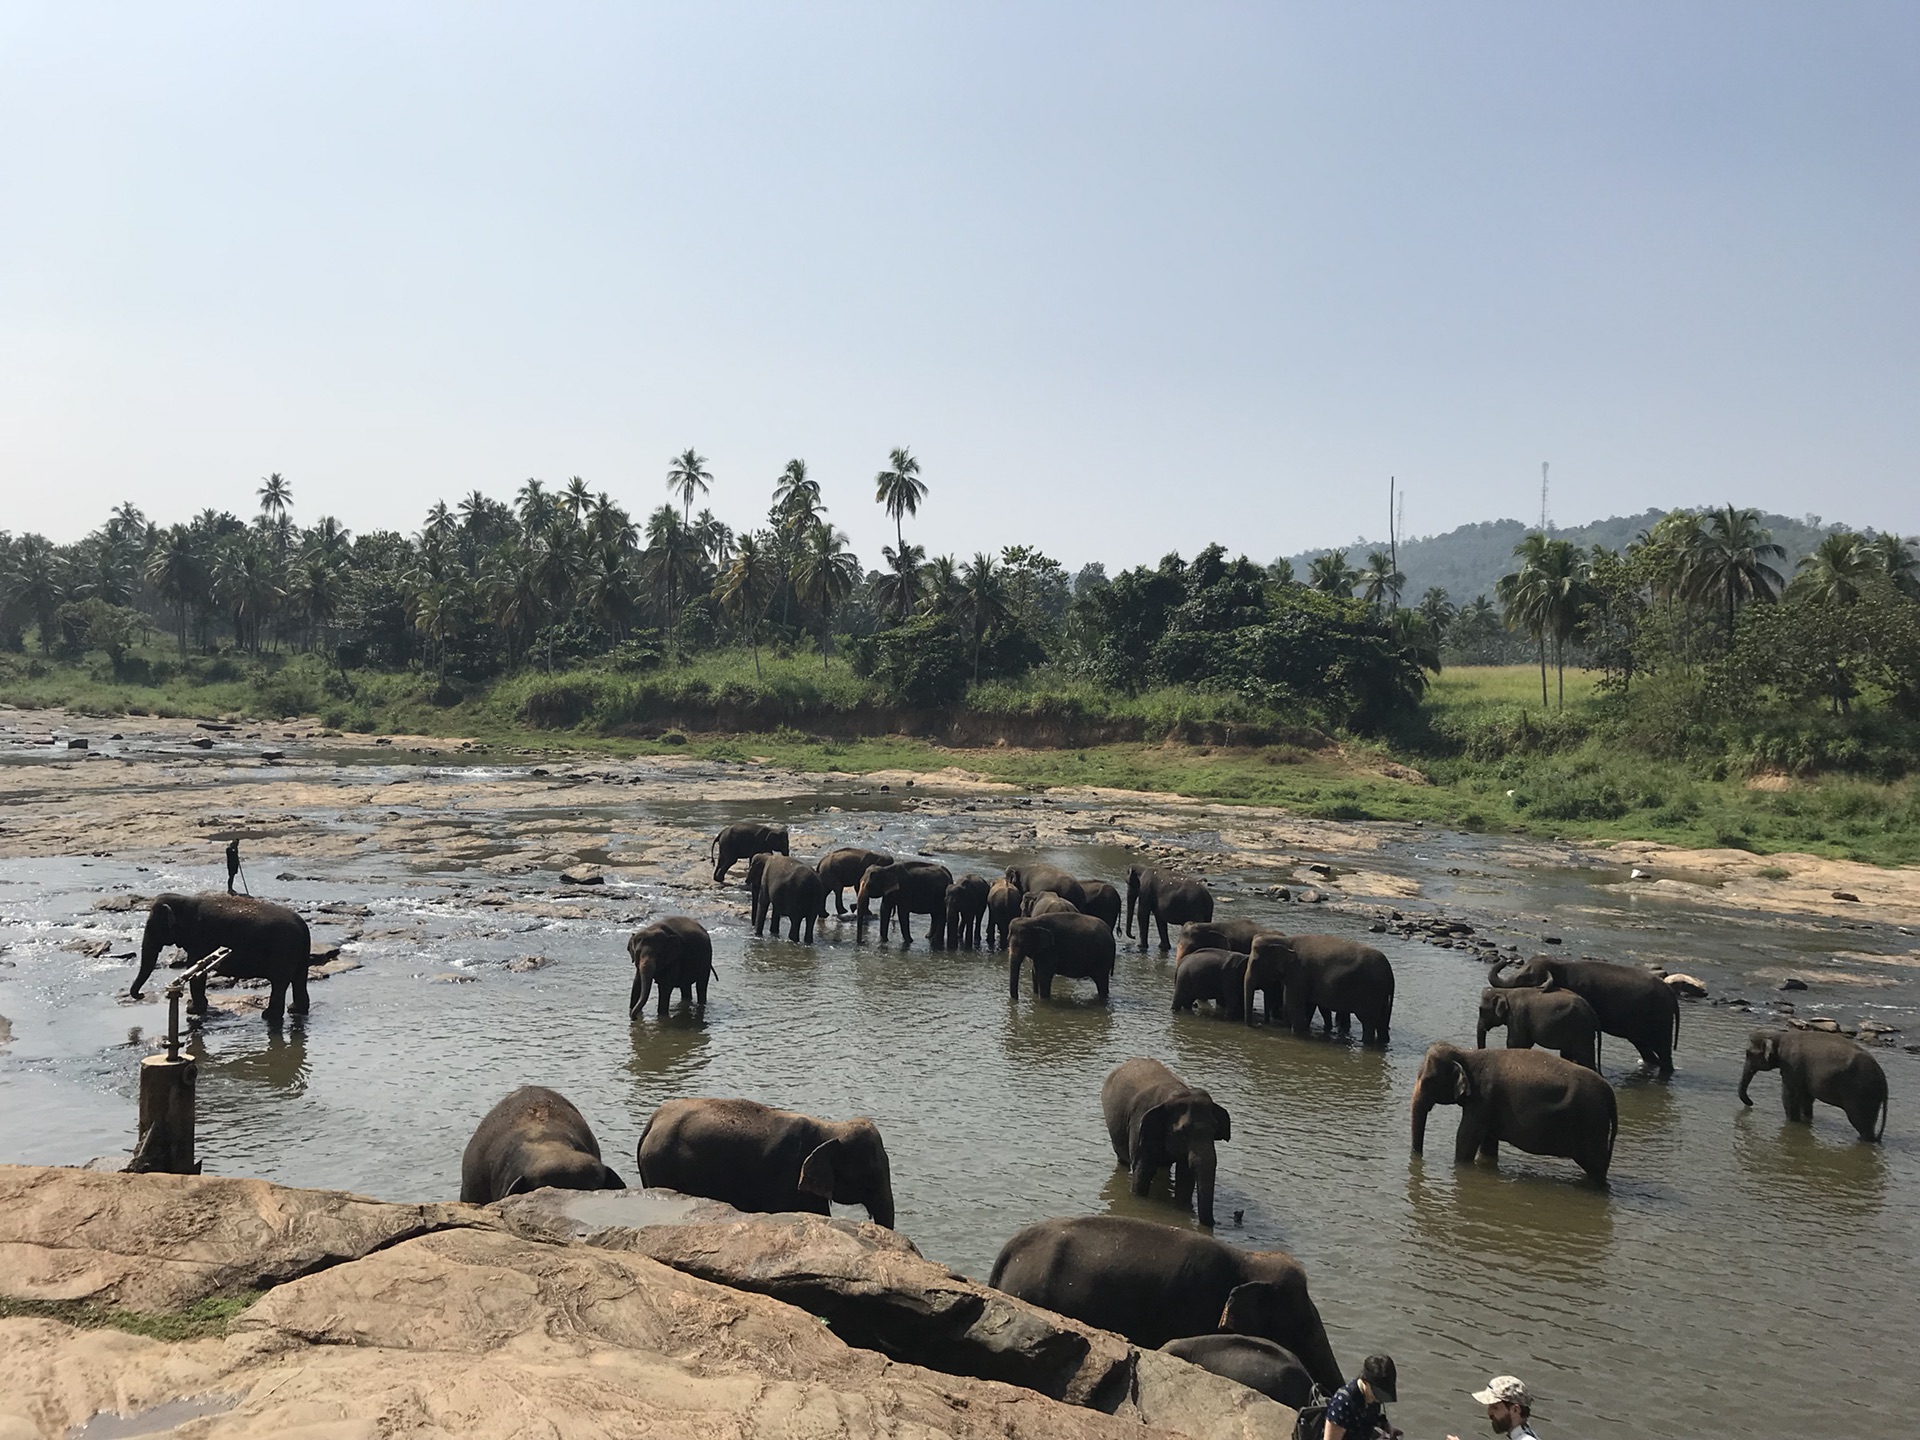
[(161, 1242)]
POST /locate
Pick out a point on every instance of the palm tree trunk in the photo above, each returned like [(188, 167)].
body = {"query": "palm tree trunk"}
[(1560, 664), (1543, 669)]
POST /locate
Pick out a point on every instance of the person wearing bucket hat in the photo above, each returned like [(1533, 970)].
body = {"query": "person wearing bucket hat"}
[(1354, 1412), (1509, 1406)]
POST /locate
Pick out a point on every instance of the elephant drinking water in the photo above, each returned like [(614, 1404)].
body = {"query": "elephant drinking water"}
[(533, 1138), (1815, 1065), (757, 1158)]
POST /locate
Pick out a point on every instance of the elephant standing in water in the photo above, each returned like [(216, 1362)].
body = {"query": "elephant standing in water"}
[(1073, 944), (1157, 1121), (676, 954), (1030, 879), (531, 1139), (1003, 907), (843, 867), (1330, 974), (1154, 1283), (757, 1158), (1815, 1065), (1220, 935), (1045, 902), (1216, 975), (1639, 1007), (966, 909), (784, 888), (743, 842), (1539, 1102), (269, 942), (1101, 900), (1556, 1019), (1165, 898), (906, 888)]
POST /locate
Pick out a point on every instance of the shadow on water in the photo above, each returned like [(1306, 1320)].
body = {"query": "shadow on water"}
[(1069, 1034), (1157, 1205), (278, 1064)]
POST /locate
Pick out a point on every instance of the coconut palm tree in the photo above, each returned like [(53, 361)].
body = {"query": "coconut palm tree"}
[(173, 570), (276, 495), (687, 476), (607, 589), (1380, 583), (797, 505), (985, 591), (1436, 609), (1331, 575), (36, 583), (825, 575), (671, 561), (1837, 570), (714, 538), (1732, 563), (554, 567), (1894, 557), (1544, 597), (535, 504), (900, 489), (577, 497), (943, 592), (743, 589), (899, 587)]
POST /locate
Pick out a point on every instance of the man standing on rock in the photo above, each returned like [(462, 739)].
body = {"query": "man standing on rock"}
[(1509, 1404)]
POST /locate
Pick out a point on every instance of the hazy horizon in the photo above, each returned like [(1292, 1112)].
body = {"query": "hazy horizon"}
[(1126, 279)]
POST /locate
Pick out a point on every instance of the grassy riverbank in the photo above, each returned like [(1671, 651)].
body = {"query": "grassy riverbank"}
[(1485, 755)]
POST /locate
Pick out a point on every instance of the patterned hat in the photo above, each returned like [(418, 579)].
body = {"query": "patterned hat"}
[(1505, 1389)]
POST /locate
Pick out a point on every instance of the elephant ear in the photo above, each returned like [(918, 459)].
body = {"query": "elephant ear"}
[(1464, 1090), (1150, 1131), (1250, 1308), (1222, 1123), (816, 1171)]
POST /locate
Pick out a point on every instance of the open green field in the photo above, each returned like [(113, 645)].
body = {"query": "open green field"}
[(1486, 757)]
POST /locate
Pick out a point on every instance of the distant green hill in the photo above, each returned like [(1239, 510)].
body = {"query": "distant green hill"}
[(1468, 561)]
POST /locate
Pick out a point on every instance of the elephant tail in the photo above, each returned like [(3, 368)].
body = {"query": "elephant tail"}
[(1613, 1123), (1676, 1025), (1881, 1128)]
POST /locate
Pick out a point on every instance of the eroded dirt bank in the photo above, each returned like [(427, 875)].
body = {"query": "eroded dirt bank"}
[(356, 1318)]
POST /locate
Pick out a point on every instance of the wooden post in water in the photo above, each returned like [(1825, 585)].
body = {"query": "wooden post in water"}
[(166, 1091), (166, 1116)]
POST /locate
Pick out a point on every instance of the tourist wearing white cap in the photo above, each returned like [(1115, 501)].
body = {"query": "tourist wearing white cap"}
[(1508, 1403)]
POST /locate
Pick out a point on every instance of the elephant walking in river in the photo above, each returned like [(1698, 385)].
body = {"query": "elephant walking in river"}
[(1815, 1065), (1639, 1007), (1527, 1098), (676, 954), (1157, 1121), (1556, 1019)]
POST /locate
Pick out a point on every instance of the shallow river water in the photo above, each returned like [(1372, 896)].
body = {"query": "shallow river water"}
[(1740, 1277)]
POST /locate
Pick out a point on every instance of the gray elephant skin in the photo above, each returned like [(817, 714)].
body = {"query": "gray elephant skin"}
[(1157, 1121), (1272, 1370), (1031, 879), (1639, 1007), (1332, 975), (743, 842), (757, 1158), (1045, 902), (1159, 897), (966, 909), (904, 888), (1816, 1065), (1155, 1283), (533, 1138), (1101, 900), (1217, 975), (269, 942), (1003, 907), (1557, 1020), (676, 954), (843, 867), (784, 889), (1076, 945), (1526, 1098), (1220, 935)]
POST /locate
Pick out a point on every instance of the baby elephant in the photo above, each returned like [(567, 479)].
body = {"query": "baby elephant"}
[(1556, 1019), (675, 954), (1155, 1120), (532, 1138), (1216, 975), (1817, 1065), (1273, 1370)]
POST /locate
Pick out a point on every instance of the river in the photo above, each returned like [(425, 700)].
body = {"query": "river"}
[(1740, 1276)]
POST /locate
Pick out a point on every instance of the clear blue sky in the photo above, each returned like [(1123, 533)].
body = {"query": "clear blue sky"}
[(1126, 278)]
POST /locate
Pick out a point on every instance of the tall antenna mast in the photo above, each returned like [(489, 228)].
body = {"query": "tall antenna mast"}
[(1393, 531), (1544, 522)]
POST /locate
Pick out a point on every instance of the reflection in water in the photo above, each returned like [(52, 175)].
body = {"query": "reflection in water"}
[(1158, 1204), (673, 1050), (1812, 1173), (279, 1064), (1047, 1037), (1530, 1225)]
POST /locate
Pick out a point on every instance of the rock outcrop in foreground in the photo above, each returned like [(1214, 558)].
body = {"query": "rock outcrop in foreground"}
[(616, 1314)]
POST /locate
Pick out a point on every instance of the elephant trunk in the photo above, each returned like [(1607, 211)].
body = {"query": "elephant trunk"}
[(1493, 976), (880, 1206), (152, 942), (1747, 1072), (642, 989), (1013, 970), (1204, 1167), (1480, 1035), (1421, 1107), (1133, 898), (1317, 1355)]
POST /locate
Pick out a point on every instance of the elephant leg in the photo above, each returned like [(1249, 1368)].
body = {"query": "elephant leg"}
[(1164, 943), (1182, 1184), (810, 927), (1100, 983), (300, 1005), (1490, 1149), (197, 995), (1140, 1175), (1346, 1022), (277, 1002), (839, 903), (1043, 983), (1466, 1143), (906, 935)]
